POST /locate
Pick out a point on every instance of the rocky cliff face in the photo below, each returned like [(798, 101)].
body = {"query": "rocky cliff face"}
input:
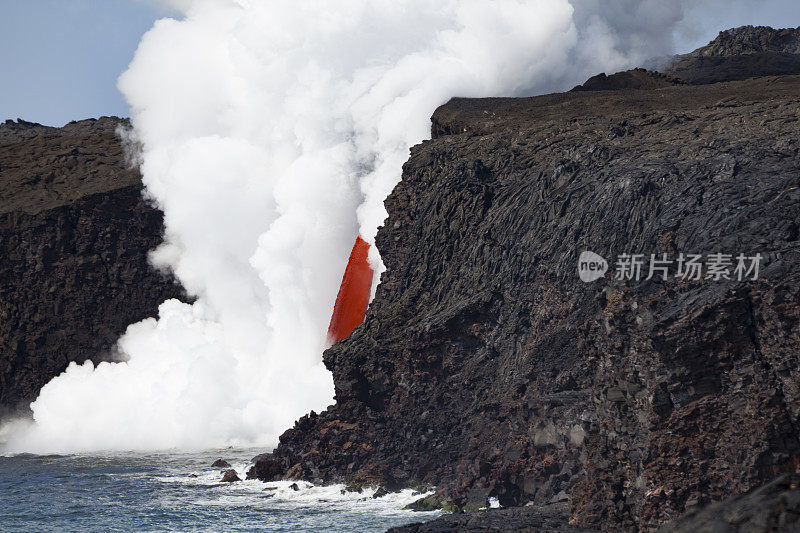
[(486, 367), (74, 237)]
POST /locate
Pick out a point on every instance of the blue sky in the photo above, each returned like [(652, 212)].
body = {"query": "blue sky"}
[(60, 59)]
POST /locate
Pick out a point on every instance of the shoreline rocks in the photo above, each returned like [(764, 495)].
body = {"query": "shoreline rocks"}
[(230, 476)]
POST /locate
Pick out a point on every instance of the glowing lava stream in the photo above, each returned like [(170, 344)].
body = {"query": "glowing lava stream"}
[(353, 298)]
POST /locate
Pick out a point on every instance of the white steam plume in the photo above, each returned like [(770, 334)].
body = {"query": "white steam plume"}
[(272, 131)]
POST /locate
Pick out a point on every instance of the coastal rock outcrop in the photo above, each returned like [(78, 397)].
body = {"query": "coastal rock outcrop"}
[(75, 232), (230, 476)]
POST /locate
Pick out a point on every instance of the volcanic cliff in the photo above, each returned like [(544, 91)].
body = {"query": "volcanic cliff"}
[(487, 368), (75, 232)]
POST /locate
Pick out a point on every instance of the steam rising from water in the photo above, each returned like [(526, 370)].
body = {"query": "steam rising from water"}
[(272, 131)]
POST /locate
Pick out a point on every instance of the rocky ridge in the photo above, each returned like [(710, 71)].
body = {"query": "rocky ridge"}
[(637, 78), (751, 40), (738, 54)]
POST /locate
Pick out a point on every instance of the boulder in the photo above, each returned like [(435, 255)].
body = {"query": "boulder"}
[(229, 476), (266, 468)]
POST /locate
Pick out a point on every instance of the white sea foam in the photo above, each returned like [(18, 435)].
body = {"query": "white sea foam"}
[(289, 494)]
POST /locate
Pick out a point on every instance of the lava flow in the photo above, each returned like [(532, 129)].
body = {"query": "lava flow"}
[(353, 298)]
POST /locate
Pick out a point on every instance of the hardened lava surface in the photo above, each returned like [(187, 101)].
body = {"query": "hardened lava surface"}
[(487, 368)]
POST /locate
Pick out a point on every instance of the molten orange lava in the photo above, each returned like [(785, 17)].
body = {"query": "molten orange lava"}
[(353, 299)]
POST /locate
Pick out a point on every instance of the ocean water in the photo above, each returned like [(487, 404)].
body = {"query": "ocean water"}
[(179, 492)]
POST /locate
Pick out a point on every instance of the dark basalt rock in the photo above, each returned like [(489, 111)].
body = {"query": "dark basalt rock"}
[(220, 463), (638, 78), (552, 518), (230, 476), (266, 468), (773, 507), (713, 69), (20, 130), (487, 368), (738, 54), (749, 40), (74, 237)]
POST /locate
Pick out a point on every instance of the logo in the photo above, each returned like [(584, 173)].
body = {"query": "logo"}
[(591, 267), (689, 267)]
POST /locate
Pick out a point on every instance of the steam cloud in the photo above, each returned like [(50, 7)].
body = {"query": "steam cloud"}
[(271, 132)]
